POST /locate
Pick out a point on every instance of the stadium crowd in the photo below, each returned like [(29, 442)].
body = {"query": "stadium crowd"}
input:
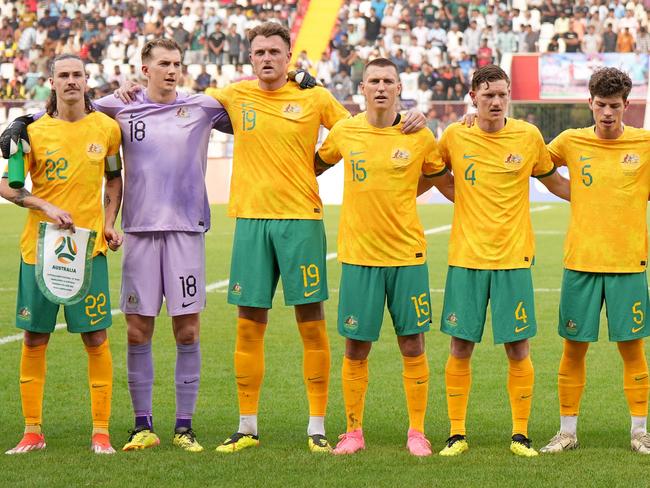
[(109, 36)]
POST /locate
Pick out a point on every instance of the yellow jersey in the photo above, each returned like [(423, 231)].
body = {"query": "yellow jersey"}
[(610, 184), (379, 223), (275, 139), (67, 165), (491, 227)]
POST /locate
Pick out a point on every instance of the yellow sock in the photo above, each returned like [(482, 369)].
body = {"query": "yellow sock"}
[(32, 383), (355, 385), (416, 386), (458, 379), (316, 365), (572, 376), (100, 380), (635, 376), (249, 364), (521, 378)]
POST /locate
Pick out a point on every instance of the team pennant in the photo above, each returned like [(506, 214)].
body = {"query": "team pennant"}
[(63, 266)]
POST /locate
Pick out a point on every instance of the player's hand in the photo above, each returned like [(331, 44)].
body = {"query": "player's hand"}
[(414, 120), (468, 119), (14, 133), (127, 91), (304, 79), (113, 238), (59, 217)]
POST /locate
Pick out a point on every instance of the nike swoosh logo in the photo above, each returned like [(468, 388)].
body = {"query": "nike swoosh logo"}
[(519, 329), (526, 397), (131, 116), (191, 381), (470, 156), (314, 378), (420, 324), (95, 385), (96, 321), (22, 382), (49, 153), (586, 158), (356, 153), (455, 394), (420, 382), (310, 293), (637, 329), (640, 377), (185, 305)]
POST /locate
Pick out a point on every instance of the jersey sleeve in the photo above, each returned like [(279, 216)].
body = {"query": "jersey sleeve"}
[(219, 118), (543, 165), (329, 152), (432, 164), (443, 148), (113, 163), (331, 109), (555, 149), (222, 95), (109, 105)]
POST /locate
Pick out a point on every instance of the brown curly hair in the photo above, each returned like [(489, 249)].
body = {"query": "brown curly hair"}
[(610, 82)]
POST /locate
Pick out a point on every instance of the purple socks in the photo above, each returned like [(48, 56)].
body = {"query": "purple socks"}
[(188, 373), (139, 365), (140, 376)]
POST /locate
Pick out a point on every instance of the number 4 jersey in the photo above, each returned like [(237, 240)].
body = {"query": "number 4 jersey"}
[(66, 165), (165, 150), (610, 183), (491, 227)]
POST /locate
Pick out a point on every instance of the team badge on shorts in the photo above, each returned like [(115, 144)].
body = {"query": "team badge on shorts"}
[(452, 320), (236, 289), (571, 327), (351, 323), (24, 313), (132, 300)]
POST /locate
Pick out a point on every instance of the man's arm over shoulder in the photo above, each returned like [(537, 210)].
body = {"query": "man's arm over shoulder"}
[(217, 113), (329, 153), (331, 109)]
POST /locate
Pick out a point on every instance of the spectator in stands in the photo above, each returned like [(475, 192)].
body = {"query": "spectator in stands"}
[(472, 40), (625, 41), (234, 44), (529, 39), (342, 85), (21, 64), (40, 92), (506, 42), (216, 44), (399, 60), (373, 24), (202, 80), (643, 41), (303, 62), (195, 53), (571, 41), (485, 55), (100, 78), (610, 40), (439, 93), (591, 42), (324, 69)]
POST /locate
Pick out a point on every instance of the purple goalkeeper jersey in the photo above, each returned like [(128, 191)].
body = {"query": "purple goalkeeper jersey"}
[(165, 149)]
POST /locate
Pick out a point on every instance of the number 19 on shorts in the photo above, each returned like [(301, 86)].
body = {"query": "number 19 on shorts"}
[(310, 279)]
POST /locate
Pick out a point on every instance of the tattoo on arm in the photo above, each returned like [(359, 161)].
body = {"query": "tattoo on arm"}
[(107, 200), (19, 198)]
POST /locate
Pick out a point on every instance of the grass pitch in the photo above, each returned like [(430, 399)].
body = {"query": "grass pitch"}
[(604, 458)]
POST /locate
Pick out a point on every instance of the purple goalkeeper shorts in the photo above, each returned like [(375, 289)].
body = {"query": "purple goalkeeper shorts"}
[(166, 263)]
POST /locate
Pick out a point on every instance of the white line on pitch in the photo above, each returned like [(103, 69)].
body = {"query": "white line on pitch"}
[(218, 285)]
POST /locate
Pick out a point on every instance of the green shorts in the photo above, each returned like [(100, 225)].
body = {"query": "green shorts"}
[(582, 297), (35, 313), (365, 289), (511, 297), (265, 249)]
